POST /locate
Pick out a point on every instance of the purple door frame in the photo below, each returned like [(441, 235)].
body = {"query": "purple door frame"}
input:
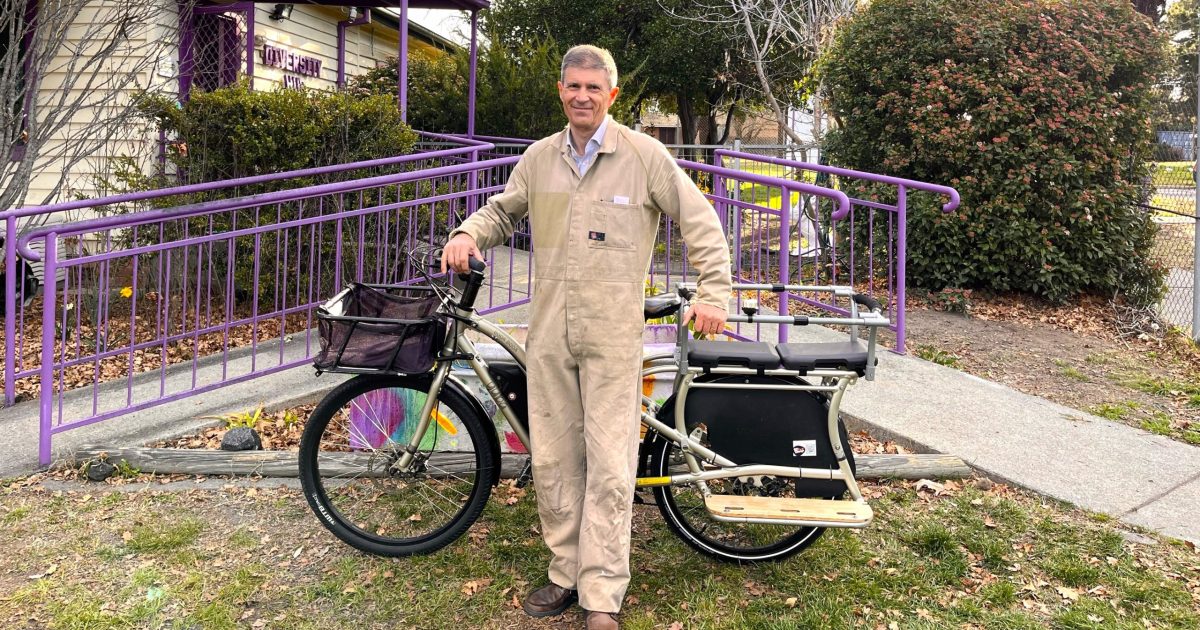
[(361, 20), (187, 37)]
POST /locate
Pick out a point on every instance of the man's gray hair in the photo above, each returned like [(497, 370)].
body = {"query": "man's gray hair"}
[(589, 57)]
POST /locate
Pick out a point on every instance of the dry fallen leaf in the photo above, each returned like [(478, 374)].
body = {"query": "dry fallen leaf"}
[(474, 586), (48, 572), (1067, 593)]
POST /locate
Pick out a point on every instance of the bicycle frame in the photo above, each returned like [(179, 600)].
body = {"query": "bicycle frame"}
[(831, 381)]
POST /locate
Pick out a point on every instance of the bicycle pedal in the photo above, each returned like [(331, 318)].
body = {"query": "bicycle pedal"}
[(811, 512)]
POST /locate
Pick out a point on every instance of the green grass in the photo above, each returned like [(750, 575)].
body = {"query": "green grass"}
[(1159, 424), (1071, 371), (765, 196), (769, 170), (1181, 204), (167, 536), (1160, 386), (998, 559), (936, 355), (1114, 411), (1173, 174), (14, 515)]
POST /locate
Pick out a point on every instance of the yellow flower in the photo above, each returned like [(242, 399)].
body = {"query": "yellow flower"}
[(127, 292)]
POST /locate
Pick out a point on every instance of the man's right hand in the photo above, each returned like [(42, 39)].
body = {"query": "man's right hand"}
[(456, 253)]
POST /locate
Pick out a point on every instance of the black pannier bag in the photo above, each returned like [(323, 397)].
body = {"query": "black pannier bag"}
[(770, 426), (378, 328)]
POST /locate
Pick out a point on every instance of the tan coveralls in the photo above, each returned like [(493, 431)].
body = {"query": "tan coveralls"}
[(593, 237)]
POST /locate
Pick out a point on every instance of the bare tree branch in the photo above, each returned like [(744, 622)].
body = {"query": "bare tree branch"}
[(70, 74), (775, 33)]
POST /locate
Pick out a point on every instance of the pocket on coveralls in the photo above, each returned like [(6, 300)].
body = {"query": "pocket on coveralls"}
[(613, 225)]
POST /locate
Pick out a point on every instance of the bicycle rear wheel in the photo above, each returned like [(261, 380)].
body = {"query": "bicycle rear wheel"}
[(347, 455), (748, 426), (682, 507)]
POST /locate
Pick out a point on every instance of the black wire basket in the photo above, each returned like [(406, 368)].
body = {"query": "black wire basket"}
[(386, 329)]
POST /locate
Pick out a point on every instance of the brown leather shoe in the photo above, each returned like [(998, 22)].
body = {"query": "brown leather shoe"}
[(601, 621), (549, 600)]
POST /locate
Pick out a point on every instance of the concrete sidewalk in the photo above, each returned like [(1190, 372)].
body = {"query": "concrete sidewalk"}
[(1103, 466), (1140, 478)]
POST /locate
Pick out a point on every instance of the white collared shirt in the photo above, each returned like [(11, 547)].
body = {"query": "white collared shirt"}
[(583, 162)]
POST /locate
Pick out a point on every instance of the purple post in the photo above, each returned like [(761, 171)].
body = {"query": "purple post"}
[(785, 247), (471, 79), (249, 9), (402, 61), (365, 18), (48, 328), (10, 309), (901, 253)]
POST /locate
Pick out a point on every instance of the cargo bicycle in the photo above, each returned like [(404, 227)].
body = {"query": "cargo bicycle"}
[(747, 459)]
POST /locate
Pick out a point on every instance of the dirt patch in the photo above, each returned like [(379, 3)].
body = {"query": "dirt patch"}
[(1075, 356)]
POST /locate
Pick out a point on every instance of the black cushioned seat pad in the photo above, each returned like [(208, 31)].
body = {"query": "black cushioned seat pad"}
[(660, 306), (837, 355), (748, 354)]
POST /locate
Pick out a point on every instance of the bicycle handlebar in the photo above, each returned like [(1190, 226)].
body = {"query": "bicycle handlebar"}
[(474, 281), (868, 301)]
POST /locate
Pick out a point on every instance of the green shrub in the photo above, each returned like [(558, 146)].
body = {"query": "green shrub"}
[(437, 90), (1037, 111), (236, 132)]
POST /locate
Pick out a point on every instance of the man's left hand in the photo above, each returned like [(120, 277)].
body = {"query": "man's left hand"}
[(710, 319)]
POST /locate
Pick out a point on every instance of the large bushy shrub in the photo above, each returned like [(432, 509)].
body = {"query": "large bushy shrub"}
[(235, 132), (437, 90), (1037, 111)]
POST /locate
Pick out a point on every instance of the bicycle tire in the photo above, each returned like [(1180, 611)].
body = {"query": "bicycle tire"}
[(682, 507), (345, 459)]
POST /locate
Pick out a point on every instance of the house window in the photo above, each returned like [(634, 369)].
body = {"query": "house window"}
[(218, 49)]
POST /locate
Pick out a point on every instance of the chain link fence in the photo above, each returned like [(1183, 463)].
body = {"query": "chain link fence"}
[(1170, 197)]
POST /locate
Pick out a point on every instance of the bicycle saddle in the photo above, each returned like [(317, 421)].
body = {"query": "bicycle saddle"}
[(660, 306)]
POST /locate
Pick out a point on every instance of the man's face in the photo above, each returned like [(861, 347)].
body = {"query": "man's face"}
[(586, 97)]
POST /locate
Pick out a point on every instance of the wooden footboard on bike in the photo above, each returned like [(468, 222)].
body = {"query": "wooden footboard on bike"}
[(811, 512)]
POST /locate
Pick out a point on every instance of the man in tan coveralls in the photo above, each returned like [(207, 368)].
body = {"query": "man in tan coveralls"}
[(594, 193)]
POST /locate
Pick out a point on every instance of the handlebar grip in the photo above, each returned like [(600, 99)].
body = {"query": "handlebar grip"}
[(868, 301), (474, 281)]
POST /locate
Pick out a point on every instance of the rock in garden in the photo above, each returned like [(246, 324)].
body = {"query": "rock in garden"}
[(241, 439), (99, 471)]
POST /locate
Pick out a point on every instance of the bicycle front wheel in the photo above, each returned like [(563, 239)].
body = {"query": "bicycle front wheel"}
[(348, 465)]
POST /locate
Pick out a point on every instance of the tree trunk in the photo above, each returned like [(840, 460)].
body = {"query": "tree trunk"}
[(687, 124), (763, 81)]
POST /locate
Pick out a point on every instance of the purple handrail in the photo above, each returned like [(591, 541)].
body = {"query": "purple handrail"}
[(122, 221), (901, 209), (843, 202), (846, 172), (242, 181), (10, 216)]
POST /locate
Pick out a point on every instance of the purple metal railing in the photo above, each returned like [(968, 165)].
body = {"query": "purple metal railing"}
[(165, 287), (16, 364), (824, 263), (188, 284)]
